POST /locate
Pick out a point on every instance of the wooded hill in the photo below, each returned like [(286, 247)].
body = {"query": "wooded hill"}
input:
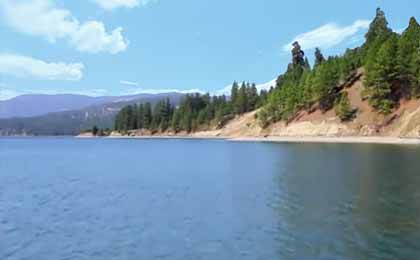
[(388, 62)]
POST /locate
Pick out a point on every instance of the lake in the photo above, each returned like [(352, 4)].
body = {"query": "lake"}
[(65, 198)]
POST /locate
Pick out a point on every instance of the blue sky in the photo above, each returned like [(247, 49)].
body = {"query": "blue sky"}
[(116, 47)]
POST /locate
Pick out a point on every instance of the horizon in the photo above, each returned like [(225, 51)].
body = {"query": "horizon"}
[(65, 60)]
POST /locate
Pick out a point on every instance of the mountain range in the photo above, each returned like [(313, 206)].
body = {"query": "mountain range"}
[(68, 114)]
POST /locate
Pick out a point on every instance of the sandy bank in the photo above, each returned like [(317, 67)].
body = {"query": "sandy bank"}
[(342, 140), (288, 139)]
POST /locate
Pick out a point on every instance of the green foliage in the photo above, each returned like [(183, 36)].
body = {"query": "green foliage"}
[(378, 31), (343, 109), (382, 75), (319, 58), (95, 130), (194, 112), (326, 79), (301, 87), (408, 65)]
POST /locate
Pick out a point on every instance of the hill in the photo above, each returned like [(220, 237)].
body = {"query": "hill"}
[(73, 121), (40, 104)]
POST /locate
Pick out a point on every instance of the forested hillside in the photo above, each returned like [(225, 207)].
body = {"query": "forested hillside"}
[(74, 121), (388, 63)]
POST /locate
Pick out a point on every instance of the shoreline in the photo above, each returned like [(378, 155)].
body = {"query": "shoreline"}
[(268, 139), (289, 139), (331, 140)]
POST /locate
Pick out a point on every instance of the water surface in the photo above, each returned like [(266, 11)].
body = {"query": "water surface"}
[(64, 198)]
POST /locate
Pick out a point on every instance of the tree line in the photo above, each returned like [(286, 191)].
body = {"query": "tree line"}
[(391, 63), (196, 111)]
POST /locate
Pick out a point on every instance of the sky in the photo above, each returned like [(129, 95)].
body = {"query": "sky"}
[(122, 47)]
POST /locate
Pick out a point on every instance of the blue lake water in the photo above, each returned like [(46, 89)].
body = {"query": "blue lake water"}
[(101, 199)]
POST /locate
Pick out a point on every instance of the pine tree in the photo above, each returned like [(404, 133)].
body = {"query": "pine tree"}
[(147, 121), (140, 116), (325, 81), (95, 130), (234, 92), (378, 29), (319, 58), (241, 101), (407, 51), (343, 109), (416, 72), (381, 75), (176, 120), (253, 99)]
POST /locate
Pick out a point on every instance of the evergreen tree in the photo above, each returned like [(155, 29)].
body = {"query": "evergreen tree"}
[(140, 117), (381, 75), (378, 29), (95, 130), (325, 82), (319, 58), (416, 72), (241, 101), (252, 96), (343, 109), (147, 118), (234, 92), (298, 56), (407, 52)]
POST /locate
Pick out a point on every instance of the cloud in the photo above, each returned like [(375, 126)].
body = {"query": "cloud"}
[(112, 4), (43, 18), (28, 67), (161, 91), (129, 83), (328, 35), (9, 93), (6, 94)]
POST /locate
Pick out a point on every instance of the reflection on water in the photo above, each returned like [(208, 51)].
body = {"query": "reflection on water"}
[(352, 202), (183, 199)]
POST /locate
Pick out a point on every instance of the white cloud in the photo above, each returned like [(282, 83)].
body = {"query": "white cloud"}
[(6, 93), (328, 35), (9, 93), (28, 67), (161, 91), (112, 4), (129, 83), (43, 18)]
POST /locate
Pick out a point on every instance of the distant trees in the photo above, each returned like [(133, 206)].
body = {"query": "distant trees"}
[(194, 112), (319, 58), (95, 130)]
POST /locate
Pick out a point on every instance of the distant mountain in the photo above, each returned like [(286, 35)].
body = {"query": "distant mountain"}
[(39, 104), (73, 121)]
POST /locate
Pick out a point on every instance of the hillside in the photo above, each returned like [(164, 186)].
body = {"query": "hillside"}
[(403, 122), (74, 121)]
